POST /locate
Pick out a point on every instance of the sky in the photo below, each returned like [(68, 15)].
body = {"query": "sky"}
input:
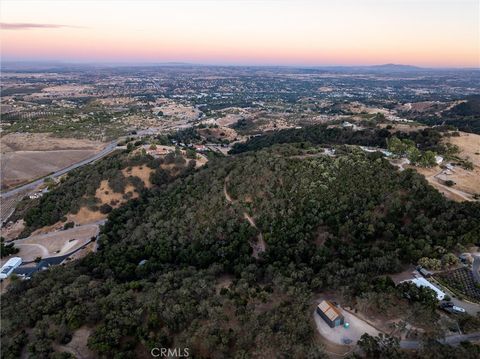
[(432, 33)]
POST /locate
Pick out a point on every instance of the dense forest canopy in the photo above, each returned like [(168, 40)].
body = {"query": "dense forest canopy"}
[(426, 139), (329, 223)]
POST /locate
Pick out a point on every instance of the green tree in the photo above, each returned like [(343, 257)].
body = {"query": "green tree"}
[(450, 260), (428, 159), (7, 249), (430, 263), (382, 346), (413, 154)]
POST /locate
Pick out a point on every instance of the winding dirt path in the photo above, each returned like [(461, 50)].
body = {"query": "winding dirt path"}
[(259, 246)]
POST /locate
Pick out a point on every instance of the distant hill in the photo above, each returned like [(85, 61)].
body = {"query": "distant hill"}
[(383, 68), (394, 67), (471, 107)]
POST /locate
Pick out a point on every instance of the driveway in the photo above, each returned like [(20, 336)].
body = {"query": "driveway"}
[(342, 335), (450, 340)]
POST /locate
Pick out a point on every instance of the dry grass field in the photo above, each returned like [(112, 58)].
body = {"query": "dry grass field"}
[(467, 183), (23, 166), (26, 157), (469, 144), (106, 195)]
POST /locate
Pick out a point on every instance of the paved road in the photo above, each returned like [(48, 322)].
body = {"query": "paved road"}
[(450, 340), (30, 186)]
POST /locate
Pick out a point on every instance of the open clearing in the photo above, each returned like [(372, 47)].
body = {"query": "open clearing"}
[(142, 172), (23, 166), (29, 156), (78, 345), (55, 243), (107, 196), (469, 144), (454, 193), (340, 334), (467, 183)]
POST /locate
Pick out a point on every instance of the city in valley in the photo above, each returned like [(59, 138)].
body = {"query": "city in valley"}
[(216, 208)]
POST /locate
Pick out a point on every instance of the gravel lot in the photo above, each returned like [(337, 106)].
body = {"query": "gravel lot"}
[(339, 334)]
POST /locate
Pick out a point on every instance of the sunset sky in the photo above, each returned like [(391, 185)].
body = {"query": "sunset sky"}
[(264, 32)]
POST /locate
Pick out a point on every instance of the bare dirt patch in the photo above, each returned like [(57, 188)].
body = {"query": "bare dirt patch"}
[(454, 193), (23, 166), (85, 215), (466, 181), (13, 230), (55, 243), (229, 119), (177, 110), (78, 345), (218, 133), (44, 142), (469, 144), (402, 127), (26, 156), (142, 172), (106, 195)]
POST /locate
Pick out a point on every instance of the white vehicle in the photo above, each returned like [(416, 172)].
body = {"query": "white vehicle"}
[(458, 309)]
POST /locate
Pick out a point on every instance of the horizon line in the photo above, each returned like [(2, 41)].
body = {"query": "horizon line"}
[(226, 64)]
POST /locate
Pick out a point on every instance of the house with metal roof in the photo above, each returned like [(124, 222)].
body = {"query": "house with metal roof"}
[(330, 314)]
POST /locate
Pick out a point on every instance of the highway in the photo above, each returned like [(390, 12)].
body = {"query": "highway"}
[(9, 199), (31, 185)]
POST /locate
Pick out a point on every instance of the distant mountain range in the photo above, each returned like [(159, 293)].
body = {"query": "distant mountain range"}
[(382, 68), (395, 67)]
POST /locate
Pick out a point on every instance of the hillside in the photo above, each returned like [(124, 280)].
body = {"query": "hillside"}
[(464, 115), (176, 268), (91, 192)]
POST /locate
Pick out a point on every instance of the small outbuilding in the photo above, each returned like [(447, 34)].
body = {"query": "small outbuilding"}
[(424, 272), (330, 314)]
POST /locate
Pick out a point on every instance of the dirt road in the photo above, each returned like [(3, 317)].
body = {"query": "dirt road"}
[(259, 246)]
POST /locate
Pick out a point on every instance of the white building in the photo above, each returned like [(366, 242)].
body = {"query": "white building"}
[(438, 159), (422, 282), (9, 267)]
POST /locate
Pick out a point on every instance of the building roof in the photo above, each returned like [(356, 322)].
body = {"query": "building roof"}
[(329, 310), (422, 282), (13, 262)]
